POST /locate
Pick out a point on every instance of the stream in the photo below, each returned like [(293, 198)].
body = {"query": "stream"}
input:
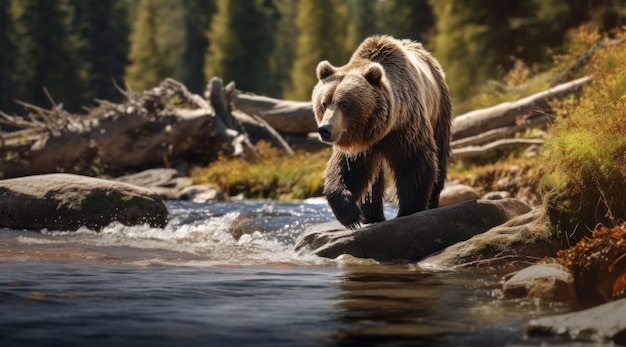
[(225, 274)]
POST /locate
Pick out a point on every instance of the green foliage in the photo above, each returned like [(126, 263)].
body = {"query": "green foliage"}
[(586, 159), (197, 18), (410, 19), (477, 41), (45, 54), (281, 60), (241, 43), (145, 70), (6, 46), (274, 176), (322, 31), (169, 41), (104, 29), (362, 23)]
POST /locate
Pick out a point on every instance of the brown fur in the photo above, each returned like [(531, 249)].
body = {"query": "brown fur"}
[(388, 106)]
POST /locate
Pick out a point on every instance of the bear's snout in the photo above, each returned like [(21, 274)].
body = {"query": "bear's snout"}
[(325, 132)]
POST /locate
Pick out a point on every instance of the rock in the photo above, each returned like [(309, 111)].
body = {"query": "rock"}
[(201, 193), (601, 323), (411, 237), (165, 182), (550, 282), (497, 195), (456, 192), (68, 202), (525, 238)]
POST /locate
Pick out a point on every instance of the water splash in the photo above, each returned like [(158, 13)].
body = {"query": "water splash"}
[(238, 233)]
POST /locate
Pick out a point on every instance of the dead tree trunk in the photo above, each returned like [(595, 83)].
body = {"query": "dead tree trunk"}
[(288, 117), (506, 114), (157, 128)]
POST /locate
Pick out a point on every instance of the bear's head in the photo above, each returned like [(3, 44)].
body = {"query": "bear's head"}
[(352, 104)]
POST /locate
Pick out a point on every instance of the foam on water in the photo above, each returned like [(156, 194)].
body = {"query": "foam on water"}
[(242, 233)]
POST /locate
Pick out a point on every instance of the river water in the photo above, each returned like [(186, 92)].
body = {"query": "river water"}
[(226, 275)]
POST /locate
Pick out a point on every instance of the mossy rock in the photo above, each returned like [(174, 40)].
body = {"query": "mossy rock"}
[(68, 202)]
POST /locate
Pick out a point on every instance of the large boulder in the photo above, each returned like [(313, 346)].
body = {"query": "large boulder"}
[(68, 202), (519, 242), (411, 237)]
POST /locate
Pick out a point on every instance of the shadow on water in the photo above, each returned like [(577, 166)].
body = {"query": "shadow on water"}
[(226, 275)]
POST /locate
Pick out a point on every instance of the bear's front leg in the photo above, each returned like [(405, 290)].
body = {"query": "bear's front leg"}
[(415, 176), (345, 182), (372, 206)]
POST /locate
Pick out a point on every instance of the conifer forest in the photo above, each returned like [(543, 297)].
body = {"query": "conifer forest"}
[(78, 51)]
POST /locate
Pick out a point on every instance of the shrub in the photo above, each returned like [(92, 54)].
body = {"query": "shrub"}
[(586, 155), (274, 176)]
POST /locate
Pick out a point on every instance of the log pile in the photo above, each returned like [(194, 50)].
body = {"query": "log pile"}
[(158, 128), (168, 126)]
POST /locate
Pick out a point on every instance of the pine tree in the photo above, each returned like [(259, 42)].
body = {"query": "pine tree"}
[(475, 40), (283, 55), (46, 54), (104, 27), (406, 19), (5, 64), (197, 18), (363, 21), (319, 39), (241, 42), (145, 70)]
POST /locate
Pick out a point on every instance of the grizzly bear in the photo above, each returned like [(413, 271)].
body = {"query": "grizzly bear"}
[(389, 106)]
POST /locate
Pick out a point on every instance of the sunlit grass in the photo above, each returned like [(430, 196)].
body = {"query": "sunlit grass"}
[(586, 156), (274, 176)]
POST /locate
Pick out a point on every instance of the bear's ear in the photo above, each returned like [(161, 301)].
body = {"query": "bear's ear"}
[(324, 69), (374, 74)]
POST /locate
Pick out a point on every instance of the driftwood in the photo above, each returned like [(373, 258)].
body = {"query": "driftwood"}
[(288, 117), (158, 128), (478, 151), (500, 133), (506, 114)]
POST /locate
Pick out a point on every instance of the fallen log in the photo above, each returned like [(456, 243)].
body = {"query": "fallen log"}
[(500, 133), (289, 117), (506, 114), (479, 151), (160, 127)]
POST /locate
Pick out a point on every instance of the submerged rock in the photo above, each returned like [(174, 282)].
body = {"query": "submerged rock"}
[(411, 237), (551, 282), (601, 323), (68, 202)]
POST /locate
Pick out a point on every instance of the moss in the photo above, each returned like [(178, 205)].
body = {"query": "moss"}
[(103, 202), (489, 250), (586, 155), (274, 176)]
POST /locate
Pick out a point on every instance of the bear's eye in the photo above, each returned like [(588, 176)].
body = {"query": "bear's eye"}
[(324, 105), (343, 104)]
